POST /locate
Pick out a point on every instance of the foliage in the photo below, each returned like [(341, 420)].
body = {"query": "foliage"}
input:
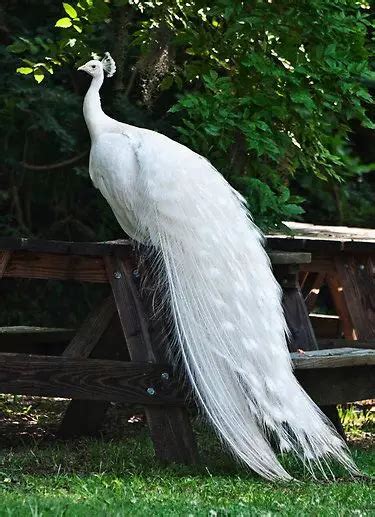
[(266, 90)]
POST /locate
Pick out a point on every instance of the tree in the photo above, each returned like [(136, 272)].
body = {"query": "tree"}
[(265, 90)]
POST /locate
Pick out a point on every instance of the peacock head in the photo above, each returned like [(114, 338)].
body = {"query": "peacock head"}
[(95, 68)]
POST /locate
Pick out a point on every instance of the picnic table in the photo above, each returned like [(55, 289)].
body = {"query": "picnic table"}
[(118, 354), (342, 258)]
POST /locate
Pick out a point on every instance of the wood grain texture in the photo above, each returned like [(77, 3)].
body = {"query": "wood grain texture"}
[(322, 242), (333, 358), (131, 314), (89, 379), (317, 281), (283, 257), (122, 247), (85, 417), (26, 264), (320, 264), (336, 233), (300, 328), (89, 334), (337, 292), (170, 428), (356, 275), (331, 386), (4, 260)]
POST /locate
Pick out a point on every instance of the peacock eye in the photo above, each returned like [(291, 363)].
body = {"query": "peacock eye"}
[(93, 66)]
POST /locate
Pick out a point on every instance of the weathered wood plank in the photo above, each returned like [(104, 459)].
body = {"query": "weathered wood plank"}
[(85, 417), (135, 326), (296, 315), (357, 279), (122, 247), (328, 239), (333, 358), (320, 264), (25, 264), (4, 260), (170, 428), (314, 290), (89, 379), (331, 386), (128, 382), (336, 289), (284, 257), (331, 232), (89, 334)]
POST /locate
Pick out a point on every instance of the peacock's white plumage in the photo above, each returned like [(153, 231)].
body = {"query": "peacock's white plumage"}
[(225, 302)]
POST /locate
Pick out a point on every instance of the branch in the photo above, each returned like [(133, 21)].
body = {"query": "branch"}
[(121, 37), (57, 165)]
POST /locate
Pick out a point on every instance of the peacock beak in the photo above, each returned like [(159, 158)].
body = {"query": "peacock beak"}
[(82, 68)]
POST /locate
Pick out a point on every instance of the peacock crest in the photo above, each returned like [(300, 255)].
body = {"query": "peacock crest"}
[(109, 66)]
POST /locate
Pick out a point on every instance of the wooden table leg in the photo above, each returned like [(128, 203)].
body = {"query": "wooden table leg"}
[(337, 292), (301, 332), (4, 260), (313, 290), (356, 274), (99, 337), (170, 428)]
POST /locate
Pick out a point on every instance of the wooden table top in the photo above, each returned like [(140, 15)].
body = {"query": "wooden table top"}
[(303, 237), (310, 237), (119, 247)]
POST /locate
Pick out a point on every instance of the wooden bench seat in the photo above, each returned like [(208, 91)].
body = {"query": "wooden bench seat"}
[(332, 376)]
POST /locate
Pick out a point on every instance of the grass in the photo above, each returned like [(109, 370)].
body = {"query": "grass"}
[(117, 475)]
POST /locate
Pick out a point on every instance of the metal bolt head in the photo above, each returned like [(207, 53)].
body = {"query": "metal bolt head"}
[(136, 273), (361, 267), (165, 376), (150, 391), (117, 275)]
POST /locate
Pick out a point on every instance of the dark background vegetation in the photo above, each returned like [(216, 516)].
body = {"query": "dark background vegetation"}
[(277, 95)]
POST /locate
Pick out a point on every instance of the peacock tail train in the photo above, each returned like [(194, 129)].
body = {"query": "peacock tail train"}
[(227, 311), (225, 302)]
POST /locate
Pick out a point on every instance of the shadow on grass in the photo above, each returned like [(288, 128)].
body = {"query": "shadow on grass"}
[(28, 446)]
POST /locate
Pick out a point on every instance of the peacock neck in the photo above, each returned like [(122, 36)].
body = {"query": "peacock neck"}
[(92, 109)]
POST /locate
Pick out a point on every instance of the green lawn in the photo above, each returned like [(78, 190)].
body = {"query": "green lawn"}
[(117, 475)]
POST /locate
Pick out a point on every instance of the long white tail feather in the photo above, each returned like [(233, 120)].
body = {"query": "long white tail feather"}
[(224, 299)]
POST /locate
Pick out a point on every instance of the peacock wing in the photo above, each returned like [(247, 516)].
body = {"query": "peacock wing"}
[(114, 170)]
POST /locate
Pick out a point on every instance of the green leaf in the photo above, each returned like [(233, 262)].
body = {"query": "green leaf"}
[(166, 83), (64, 23), (38, 76), (294, 209), (25, 70), (17, 47), (302, 97), (70, 10), (78, 28)]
